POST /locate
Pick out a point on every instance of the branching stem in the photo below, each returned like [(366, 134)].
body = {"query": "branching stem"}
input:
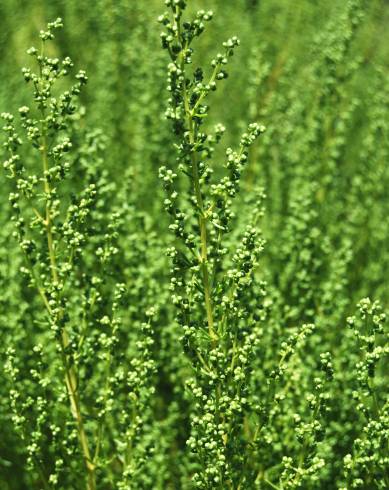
[(70, 371)]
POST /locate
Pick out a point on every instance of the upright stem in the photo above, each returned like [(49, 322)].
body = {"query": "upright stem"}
[(202, 219), (70, 372), (203, 234)]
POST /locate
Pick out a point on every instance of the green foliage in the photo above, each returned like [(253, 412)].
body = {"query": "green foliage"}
[(180, 288)]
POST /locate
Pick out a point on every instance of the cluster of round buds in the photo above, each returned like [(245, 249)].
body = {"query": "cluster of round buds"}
[(13, 141), (236, 160), (51, 26), (190, 29), (232, 43), (228, 186), (245, 256), (289, 347), (51, 69), (177, 42), (254, 130), (368, 459), (77, 214), (326, 365), (12, 165)]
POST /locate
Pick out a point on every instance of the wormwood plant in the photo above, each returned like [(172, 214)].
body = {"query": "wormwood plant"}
[(213, 287), (43, 269), (62, 394)]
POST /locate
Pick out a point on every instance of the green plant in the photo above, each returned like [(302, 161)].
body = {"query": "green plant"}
[(48, 264), (213, 290), (237, 359), (62, 396)]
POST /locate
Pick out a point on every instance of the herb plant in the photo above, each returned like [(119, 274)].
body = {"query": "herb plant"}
[(180, 288)]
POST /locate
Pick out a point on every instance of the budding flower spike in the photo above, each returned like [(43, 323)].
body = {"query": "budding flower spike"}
[(211, 299)]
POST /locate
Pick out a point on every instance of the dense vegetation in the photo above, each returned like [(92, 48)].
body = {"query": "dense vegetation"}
[(194, 244)]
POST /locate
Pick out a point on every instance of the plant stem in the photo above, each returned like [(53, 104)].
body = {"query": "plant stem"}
[(70, 372), (201, 217), (203, 235)]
